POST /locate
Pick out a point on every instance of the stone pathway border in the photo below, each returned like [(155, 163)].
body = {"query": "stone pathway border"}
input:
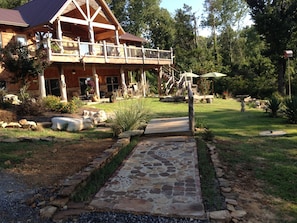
[(233, 213)]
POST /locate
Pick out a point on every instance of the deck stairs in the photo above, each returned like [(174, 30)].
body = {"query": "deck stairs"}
[(175, 83)]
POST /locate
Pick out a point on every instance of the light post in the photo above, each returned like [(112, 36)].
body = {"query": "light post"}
[(288, 54)]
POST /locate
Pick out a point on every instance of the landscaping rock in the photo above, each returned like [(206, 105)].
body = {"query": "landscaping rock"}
[(47, 212), (220, 216), (96, 117), (71, 124)]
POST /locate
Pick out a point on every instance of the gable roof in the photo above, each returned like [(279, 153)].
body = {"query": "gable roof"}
[(12, 17), (38, 12)]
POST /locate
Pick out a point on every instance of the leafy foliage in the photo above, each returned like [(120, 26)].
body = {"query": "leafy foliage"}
[(290, 111), (273, 105), (54, 103), (276, 21), (16, 58), (130, 116)]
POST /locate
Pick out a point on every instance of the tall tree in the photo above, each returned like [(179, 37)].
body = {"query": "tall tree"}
[(276, 20), (222, 16), (10, 4), (185, 38), (161, 30)]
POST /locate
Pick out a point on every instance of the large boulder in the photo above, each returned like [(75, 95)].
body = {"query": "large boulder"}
[(11, 98), (71, 124), (95, 116)]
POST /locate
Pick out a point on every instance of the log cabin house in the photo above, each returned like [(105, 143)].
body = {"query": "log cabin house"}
[(85, 45)]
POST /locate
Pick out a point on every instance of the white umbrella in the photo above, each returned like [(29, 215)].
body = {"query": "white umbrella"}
[(213, 74), (189, 74)]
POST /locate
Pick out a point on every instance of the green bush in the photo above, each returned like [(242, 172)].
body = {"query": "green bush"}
[(290, 111), (130, 116), (53, 103), (273, 105)]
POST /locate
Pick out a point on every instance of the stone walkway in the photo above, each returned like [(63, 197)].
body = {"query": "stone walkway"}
[(160, 177)]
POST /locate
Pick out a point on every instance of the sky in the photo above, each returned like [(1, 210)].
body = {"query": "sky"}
[(197, 8), (172, 5)]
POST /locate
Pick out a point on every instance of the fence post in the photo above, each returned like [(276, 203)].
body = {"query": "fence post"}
[(191, 110)]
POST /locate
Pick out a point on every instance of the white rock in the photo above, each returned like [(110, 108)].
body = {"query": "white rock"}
[(47, 212), (222, 216), (238, 214), (71, 124)]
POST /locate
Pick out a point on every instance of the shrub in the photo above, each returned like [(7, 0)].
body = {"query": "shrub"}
[(30, 107), (290, 111), (130, 116), (273, 105), (52, 103)]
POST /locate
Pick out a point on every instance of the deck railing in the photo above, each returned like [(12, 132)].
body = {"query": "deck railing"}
[(106, 51)]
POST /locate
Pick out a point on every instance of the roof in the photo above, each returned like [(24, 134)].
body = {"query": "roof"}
[(132, 38), (12, 17), (46, 9)]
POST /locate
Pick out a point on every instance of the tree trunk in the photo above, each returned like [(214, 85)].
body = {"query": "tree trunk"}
[(281, 67)]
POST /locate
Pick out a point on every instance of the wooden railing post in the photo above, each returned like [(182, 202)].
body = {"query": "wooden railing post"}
[(125, 53), (105, 50), (143, 53), (79, 47)]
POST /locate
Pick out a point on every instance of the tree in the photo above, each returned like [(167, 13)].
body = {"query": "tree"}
[(276, 21), (16, 58), (222, 16), (185, 38), (161, 30), (10, 4)]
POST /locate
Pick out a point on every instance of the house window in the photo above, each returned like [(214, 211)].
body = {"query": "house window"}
[(112, 83), (21, 39), (2, 85)]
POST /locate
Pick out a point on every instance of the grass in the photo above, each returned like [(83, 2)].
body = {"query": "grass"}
[(14, 153), (271, 160), (99, 177), (209, 184)]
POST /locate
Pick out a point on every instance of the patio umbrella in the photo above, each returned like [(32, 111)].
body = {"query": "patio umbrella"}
[(189, 74), (213, 74)]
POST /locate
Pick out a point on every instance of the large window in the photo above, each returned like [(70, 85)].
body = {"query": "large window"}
[(22, 39), (112, 83)]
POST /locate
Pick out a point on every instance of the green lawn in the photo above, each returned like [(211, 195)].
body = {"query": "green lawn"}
[(271, 160)]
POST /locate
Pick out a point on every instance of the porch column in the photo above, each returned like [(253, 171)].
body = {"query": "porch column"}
[(124, 86), (41, 80), (143, 81), (117, 37), (59, 30), (96, 80), (160, 81), (63, 85)]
